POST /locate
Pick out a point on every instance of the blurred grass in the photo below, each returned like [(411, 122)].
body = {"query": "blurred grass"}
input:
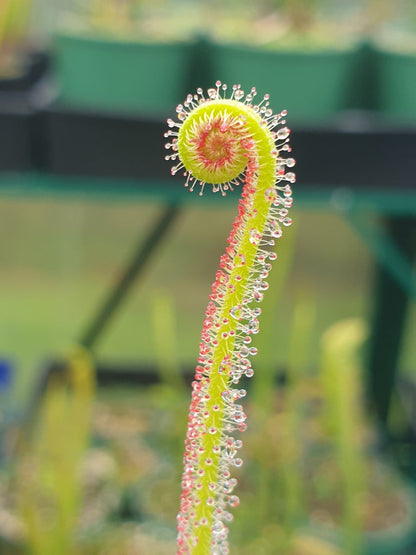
[(58, 260)]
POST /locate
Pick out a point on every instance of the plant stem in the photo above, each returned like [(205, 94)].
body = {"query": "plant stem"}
[(218, 139)]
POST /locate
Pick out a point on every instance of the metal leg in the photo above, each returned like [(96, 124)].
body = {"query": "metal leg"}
[(141, 256), (395, 248), (389, 320)]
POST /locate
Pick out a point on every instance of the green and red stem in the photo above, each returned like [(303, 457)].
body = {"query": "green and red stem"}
[(227, 142)]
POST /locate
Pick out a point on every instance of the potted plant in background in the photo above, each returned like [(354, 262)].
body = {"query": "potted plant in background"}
[(298, 51), (116, 56)]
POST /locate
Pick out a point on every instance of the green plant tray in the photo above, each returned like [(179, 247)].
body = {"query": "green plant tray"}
[(311, 86), (121, 76), (397, 84)]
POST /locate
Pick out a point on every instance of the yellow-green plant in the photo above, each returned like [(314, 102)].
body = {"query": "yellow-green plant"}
[(112, 15), (341, 382), (117, 18), (299, 13), (14, 19), (49, 485), (164, 339), (227, 142)]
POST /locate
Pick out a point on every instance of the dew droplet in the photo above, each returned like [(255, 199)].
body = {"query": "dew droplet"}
[(218, 527), (238, 95), (244, 352), (254, 236), (275, 229), (258, 296), (228, 486), (283, 133), (227, 396), (239, 416), (225, 366), (234, 501), (239, 260), (236, 312), (270, 194)]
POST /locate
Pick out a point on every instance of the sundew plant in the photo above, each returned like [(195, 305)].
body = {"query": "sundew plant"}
[(226, 142)]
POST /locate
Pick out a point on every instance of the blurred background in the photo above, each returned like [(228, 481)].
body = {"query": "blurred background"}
[(94, 395)]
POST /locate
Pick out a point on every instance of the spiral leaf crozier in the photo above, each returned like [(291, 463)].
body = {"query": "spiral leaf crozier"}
[(227, 142)]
